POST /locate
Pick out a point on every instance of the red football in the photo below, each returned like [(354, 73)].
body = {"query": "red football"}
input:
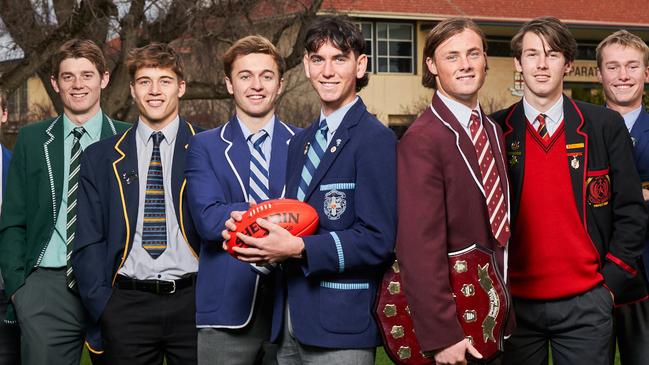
[(295, 216)]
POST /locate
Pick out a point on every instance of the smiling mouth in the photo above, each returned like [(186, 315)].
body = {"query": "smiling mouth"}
[(256, 97), (329, 84), (542, 77), (155, 103), (623, 86), (78, 95), (466, 77)]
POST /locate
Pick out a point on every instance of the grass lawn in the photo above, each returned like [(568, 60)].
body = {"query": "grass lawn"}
[(381, 358)]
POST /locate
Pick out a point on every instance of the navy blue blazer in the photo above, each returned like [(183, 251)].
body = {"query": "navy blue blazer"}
[(6, 158), (107, 208), (331, 290), (640, 138), (218, 172)]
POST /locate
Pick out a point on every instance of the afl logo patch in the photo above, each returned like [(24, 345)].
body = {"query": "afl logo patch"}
[(598, 190), (335, 203)]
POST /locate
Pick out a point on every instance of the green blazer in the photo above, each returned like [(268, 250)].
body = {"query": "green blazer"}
[(33, 197)]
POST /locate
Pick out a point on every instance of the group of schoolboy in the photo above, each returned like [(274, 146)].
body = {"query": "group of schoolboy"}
[(113, 233)]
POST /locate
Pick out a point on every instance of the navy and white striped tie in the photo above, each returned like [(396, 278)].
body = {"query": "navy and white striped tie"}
[(316, 151), (258, 190)]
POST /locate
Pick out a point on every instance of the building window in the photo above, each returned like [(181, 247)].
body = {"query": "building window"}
[(17, 103), (368, 33), (390, 46)]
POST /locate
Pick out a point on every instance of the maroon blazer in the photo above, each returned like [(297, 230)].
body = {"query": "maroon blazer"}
[(442, 208)]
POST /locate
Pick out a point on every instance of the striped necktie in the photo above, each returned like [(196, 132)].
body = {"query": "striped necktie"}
[(496, 204), (154, 227), (71, 214), (314, 155), (542, 128), (258, 185)]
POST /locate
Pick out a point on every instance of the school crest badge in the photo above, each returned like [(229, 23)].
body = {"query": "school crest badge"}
[(335, 203)]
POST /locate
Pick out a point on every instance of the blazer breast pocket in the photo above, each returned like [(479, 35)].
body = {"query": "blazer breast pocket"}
[(598, 187), (337, 208)]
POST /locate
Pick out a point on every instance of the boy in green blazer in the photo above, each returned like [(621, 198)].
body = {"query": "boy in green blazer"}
[(38, 218)]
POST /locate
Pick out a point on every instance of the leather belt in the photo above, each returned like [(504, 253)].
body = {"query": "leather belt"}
[(155, 286)]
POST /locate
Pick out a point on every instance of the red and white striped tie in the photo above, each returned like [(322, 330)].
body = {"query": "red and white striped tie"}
[(496, 204)]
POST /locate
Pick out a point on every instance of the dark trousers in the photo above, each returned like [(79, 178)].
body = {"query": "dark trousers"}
[(631, 330), (9, 336), (52, 319), (577, 329), (143, 328)]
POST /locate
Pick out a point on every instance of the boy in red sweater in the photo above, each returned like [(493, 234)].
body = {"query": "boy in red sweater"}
[(578, 220)]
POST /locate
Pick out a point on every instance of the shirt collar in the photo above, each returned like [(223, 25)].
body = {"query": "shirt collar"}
[(269, 127), (170, 131), (554, 115), (92, 126), (631, 117), (334, 119), (460, 111)]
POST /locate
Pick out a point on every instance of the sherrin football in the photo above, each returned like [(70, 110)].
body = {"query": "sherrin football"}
[(293, 215)]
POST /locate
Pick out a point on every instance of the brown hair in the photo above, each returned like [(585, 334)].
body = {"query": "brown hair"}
[(3, 101), (555, 33), (79, 48), (154, 55), (252, 44), (624, 39), (342, 34), (440, 33)]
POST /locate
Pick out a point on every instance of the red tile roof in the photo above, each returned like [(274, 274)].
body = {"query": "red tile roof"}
[(600, 12)]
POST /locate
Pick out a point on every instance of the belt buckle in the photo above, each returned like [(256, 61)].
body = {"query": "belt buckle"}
[(173, 286)]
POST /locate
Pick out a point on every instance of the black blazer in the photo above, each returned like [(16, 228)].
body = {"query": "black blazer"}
[(616, 220)]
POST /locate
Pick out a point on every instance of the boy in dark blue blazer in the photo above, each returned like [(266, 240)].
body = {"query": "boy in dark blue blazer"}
[(343, 165), (228, 168), (623, 69)]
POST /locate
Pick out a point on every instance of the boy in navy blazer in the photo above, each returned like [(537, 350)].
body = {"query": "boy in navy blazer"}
[(135, 249), (343, 165), (623, 69), (228, 168)]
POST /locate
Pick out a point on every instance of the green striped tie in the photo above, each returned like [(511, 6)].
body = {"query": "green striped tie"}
[(73, 183)]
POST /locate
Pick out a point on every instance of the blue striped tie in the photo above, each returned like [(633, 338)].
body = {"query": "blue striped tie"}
[(313, 159), (154, 228), (258, 186)]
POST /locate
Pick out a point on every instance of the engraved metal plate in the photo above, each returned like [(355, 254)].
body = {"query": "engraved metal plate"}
[(397, 331), (460, 266), (394, 287), (390, 310), (404, 352), (470, 316), (408, 309), (395, 266), (468, 290)]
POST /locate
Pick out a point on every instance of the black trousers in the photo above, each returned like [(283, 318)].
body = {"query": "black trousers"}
[(143, 328), (631, 330), (9, 336), (578, 329)]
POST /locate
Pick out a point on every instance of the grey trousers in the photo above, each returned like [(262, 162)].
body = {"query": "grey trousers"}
[(52, 319), (578, 329), (241, 346), (292, 352), (631, 330)]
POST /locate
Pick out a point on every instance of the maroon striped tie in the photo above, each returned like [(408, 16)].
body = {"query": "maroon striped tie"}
[(542, 128), (496, 204)]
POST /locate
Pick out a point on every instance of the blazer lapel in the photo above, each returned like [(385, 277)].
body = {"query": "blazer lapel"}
[(514, 132), (277, 169), (640, 135), (464, 144), (577, 150), (107, 127), (126, 174), (185, 132), (237, 154), (53, 149), (335, 147)]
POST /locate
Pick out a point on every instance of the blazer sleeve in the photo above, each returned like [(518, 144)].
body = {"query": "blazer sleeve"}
[(89, 257), (629, 211), (206, 198), (422, 242), (369, 241), (13, 221)]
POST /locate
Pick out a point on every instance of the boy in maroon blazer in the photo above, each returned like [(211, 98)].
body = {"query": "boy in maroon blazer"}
[(452, 183)]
